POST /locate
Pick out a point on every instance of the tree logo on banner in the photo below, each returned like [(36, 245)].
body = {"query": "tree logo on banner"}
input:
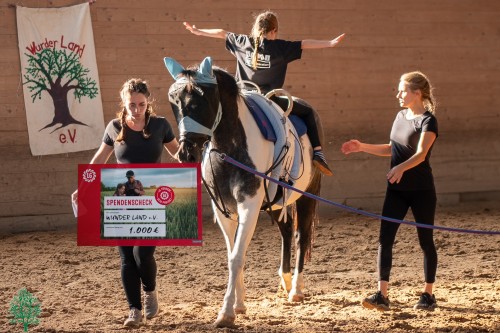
[(58, 72)]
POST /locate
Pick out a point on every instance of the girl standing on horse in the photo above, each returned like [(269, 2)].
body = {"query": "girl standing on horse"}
[(263, 58)]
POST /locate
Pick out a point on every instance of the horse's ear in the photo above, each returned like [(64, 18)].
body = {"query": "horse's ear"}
[(173, 67), (206, 67), (205, 72)]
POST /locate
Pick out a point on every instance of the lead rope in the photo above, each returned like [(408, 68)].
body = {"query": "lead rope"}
[(220, 203)]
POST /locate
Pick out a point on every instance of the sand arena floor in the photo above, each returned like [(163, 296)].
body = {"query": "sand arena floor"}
[(80, 288)]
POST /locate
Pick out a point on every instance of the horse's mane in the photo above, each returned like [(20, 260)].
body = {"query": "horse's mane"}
[(190, 74), (225, 81)]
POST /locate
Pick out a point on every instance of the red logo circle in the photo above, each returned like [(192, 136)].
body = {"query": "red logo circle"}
[(164, 195)]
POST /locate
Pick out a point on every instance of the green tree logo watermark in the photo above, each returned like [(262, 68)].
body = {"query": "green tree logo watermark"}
[(25, 308)]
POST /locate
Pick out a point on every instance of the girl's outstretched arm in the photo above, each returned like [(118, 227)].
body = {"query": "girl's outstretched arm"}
[(214, 33), (321, 44)]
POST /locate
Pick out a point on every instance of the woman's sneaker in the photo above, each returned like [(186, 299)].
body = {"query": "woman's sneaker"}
[(151, 304), (376, 301), (426, 302), (135, 318)]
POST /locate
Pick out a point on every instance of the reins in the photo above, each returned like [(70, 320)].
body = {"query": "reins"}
[(215, 194)]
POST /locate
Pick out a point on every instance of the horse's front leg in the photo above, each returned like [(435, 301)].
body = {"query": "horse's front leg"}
[(234, 298), (229, 228), (286, 230), (239, 305)]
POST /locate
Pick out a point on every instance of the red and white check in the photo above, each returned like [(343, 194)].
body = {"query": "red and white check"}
[(162, 206)]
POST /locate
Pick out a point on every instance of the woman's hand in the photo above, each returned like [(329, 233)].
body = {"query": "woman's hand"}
[(395, 174), (74, 196), (351, 146)]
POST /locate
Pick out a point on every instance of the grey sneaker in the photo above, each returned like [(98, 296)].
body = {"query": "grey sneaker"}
[(135, 318), (151, 304), (426, 302), (376, 301)]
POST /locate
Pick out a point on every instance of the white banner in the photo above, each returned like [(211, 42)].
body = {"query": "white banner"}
[(60, 79)]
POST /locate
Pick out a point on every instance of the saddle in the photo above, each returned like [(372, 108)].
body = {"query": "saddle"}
[(284, 132)]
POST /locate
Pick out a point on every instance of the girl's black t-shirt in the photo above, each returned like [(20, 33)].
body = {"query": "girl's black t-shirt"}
[(272, 60), (135, 148), (405, 135)]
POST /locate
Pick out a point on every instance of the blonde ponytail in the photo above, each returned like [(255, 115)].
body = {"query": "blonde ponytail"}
[(264, 22)]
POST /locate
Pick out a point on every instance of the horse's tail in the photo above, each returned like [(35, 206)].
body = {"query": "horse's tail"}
[(308, 207)]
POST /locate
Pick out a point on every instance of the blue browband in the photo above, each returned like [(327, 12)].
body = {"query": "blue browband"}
[(188, 124)]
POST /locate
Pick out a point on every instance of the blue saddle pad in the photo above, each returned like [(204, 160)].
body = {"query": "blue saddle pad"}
[(264, 124), (261, 119), (299, 124)]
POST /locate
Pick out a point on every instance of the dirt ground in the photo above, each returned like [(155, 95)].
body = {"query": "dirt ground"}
[(80, 289)]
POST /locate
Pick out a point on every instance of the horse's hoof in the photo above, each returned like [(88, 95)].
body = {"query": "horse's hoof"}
[(224, 321), (241, 309), (286, 282), (285, 286), (296, 297)]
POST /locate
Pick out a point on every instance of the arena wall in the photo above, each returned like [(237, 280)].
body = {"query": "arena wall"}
[(353, 87)]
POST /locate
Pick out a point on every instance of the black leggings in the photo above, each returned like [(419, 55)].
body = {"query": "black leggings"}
[(138, 265), (396, 204), (305, 112)]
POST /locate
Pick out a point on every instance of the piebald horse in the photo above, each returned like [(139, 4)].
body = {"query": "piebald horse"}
[(213, 119)]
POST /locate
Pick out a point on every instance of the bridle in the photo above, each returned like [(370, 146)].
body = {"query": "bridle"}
[(188, 125)]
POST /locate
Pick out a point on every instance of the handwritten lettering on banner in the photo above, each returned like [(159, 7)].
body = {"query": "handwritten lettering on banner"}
[(33, 48)]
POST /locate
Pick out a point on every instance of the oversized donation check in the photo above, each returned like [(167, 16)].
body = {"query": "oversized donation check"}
[(139, 204)]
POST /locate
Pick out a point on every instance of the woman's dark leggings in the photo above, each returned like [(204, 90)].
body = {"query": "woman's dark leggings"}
[(138, 265), (396, 204), (305, 112)]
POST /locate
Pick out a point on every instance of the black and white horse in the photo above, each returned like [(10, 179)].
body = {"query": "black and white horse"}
[(213, 119)]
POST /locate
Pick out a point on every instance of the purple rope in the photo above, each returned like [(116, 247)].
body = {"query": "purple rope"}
[(228, 159)]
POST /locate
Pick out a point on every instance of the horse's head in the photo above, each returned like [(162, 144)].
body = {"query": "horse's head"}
[(194, 97)]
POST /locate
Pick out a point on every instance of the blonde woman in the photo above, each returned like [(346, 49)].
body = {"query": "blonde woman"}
[(410, 183), (263, 59)]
